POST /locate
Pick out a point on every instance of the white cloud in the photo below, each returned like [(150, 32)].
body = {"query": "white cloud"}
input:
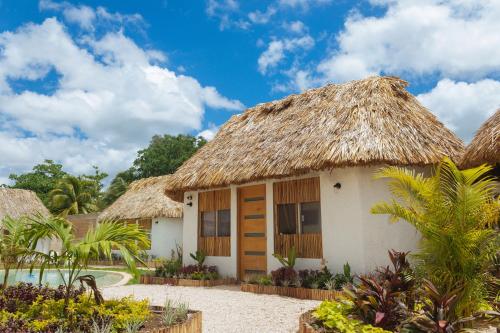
[(462, 106), (259, 17), (297, 27), (86, 16), (276, 49), (210, 132), (456, 39), (223, 11), (305, 4), (110, 98)]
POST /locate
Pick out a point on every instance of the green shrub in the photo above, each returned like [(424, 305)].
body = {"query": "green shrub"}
[(336, 316), (265, 280), (455, 212), (81, 314)]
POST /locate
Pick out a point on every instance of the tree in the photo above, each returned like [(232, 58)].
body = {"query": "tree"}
[(13, 245), (165, 154), (118, 186), (71, 197), (41, 180), (454, 211), (75, 255), (93, 185)]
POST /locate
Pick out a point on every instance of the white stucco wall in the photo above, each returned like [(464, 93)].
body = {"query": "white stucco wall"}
[(165, 234), (350, 232)]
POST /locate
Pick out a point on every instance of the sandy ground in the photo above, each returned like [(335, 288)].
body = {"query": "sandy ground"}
[(226, 309)]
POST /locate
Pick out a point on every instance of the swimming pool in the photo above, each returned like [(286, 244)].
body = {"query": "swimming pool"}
[(53, 279)]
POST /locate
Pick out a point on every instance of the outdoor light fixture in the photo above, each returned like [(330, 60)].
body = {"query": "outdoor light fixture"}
[(337, 186)]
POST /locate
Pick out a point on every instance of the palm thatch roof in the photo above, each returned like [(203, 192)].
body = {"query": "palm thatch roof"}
[(145, 198), (485, 147), (18, 203), (365, 122)]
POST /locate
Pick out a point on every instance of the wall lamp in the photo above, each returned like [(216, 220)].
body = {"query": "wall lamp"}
[(337, 186)]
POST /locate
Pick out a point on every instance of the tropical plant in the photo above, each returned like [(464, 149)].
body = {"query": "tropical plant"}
[(70, 197), (400, 278), (116, 189), (341, 279), (437, 314), (13, 245), (75, 254), (174, 313), (453, 210), (375, 303), (199, 256), (335, 316), (288, 262)]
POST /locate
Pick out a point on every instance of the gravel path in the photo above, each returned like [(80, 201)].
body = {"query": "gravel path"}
[(226, 309)]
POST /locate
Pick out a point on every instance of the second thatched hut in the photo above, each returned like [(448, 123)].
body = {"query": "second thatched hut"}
[(146, 204)]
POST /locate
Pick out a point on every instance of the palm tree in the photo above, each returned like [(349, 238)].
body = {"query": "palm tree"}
[(454, 211), (116, 189), (75, 255), (70, 197), (13, 245)]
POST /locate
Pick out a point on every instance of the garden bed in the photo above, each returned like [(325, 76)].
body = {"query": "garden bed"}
[(295, 292), (191, 325), (305, 323), (150, 279)]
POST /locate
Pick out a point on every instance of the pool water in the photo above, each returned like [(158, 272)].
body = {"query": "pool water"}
[(53, 279)]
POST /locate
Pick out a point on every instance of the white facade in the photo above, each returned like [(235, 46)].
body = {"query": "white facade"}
[(166, 234), (350, 232)]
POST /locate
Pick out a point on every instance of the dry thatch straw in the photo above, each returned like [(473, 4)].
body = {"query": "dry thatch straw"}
[(18, 203), (366, 122), (145, 198), (485, 147)]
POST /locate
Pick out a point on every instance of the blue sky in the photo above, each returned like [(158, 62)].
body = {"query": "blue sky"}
[(89, 82)]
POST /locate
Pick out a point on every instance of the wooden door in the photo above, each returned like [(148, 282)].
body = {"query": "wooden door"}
[(252, 238)]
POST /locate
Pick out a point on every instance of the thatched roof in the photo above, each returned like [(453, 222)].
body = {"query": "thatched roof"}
[(18, 203), (145, 198), (485, 147), (365, 122)]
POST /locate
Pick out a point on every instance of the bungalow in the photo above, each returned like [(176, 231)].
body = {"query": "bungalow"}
[(299, 172), (146, 204), (17, 203), (485, 146)]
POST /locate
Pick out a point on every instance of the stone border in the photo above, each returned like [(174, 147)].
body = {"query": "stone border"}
[(192, 325), (126, 277), (150, 279), (300, 293)]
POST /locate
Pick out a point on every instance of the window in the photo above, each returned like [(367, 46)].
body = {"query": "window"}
[(224, 223), (215, 222), (310, 217), (297, 217), (207, 224), (287, 219)]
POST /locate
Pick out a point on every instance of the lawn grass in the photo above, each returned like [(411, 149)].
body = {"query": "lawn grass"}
[(133, 280)]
